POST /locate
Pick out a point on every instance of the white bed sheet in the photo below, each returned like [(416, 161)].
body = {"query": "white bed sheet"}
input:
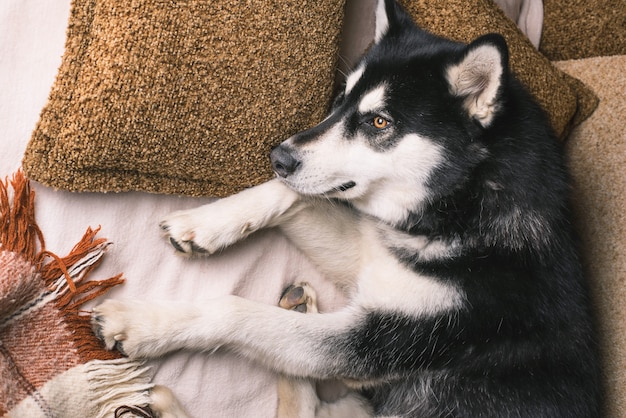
[(32, 36)]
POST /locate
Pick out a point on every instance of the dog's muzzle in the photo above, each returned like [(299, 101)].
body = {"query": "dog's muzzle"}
[(283, 161)]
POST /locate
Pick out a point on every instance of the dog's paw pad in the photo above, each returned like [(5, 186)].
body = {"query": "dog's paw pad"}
[(299, 297), (107, 322)]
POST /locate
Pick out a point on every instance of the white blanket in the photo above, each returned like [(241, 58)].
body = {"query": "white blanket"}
[(32, 36)]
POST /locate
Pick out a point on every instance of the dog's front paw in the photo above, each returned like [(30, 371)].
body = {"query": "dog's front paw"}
[(134, 328), (180, 227), (207, 229), (300, 297), (215, 226)]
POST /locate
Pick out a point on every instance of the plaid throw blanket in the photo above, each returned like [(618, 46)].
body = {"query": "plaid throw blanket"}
[(51, 364)]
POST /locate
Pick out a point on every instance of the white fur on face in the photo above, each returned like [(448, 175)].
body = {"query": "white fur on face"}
[(389, 184), (374, 100), (354, 78), (397, 177), (320, 170)]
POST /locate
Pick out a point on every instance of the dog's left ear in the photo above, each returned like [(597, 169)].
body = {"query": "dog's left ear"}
[(382, 19), (390, 19), (478, 76)]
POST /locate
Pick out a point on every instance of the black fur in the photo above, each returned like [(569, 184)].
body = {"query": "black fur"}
[(523, 346)]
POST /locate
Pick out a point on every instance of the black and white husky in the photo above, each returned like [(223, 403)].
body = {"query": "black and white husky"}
[(435, 195)]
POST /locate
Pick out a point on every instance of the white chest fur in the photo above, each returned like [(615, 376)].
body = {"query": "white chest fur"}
[(384, 283)]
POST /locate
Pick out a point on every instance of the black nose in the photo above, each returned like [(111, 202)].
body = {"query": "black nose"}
[(283, 161)]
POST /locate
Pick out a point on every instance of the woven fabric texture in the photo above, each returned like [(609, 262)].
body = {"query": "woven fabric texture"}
[(576, 29), (51, 363), (183, 97)]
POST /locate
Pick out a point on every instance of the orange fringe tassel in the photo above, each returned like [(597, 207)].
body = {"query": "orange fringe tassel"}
[(19, 233)]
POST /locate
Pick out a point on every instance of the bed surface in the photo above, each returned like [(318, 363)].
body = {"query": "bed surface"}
[(33, 36)]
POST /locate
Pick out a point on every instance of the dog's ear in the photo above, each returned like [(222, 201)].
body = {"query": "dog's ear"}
[(390, 19), (478, 75), (382, 20)]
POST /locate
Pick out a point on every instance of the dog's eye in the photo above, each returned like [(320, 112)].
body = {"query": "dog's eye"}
[(379, 122)]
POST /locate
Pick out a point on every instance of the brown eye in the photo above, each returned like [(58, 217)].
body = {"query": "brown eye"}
[(380, 122)]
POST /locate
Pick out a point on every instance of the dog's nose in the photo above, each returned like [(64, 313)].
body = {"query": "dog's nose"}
[(283, 161)]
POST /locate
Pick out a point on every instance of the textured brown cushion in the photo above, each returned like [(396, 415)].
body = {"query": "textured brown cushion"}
[(188, 97), (567, 100), (576, 29), (183, 97)]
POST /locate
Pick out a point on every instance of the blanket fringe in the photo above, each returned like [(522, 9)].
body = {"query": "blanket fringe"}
[(19, 233), (116, 383), (64, 277)]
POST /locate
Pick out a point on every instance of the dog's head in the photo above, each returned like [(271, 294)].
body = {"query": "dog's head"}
[(412, 108)]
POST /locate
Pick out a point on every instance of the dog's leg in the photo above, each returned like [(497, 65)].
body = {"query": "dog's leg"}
[(321, 346), (286, 341), (165, 405), (215, 226), (298, 397), (330, 234), (327, 231), (354, 343)]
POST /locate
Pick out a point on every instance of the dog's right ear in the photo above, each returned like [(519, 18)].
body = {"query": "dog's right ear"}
[(478, 75), (390, 19)]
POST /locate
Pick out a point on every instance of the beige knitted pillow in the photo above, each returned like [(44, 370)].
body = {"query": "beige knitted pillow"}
[(183, 97)]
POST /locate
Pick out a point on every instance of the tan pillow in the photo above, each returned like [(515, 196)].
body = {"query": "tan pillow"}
[(567, 100), (597, 155), (182, 97), (575, 29)]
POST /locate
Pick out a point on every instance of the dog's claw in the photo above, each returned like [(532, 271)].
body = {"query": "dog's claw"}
[(197, 249), (119, 346), (96, 327), (176, 245)]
